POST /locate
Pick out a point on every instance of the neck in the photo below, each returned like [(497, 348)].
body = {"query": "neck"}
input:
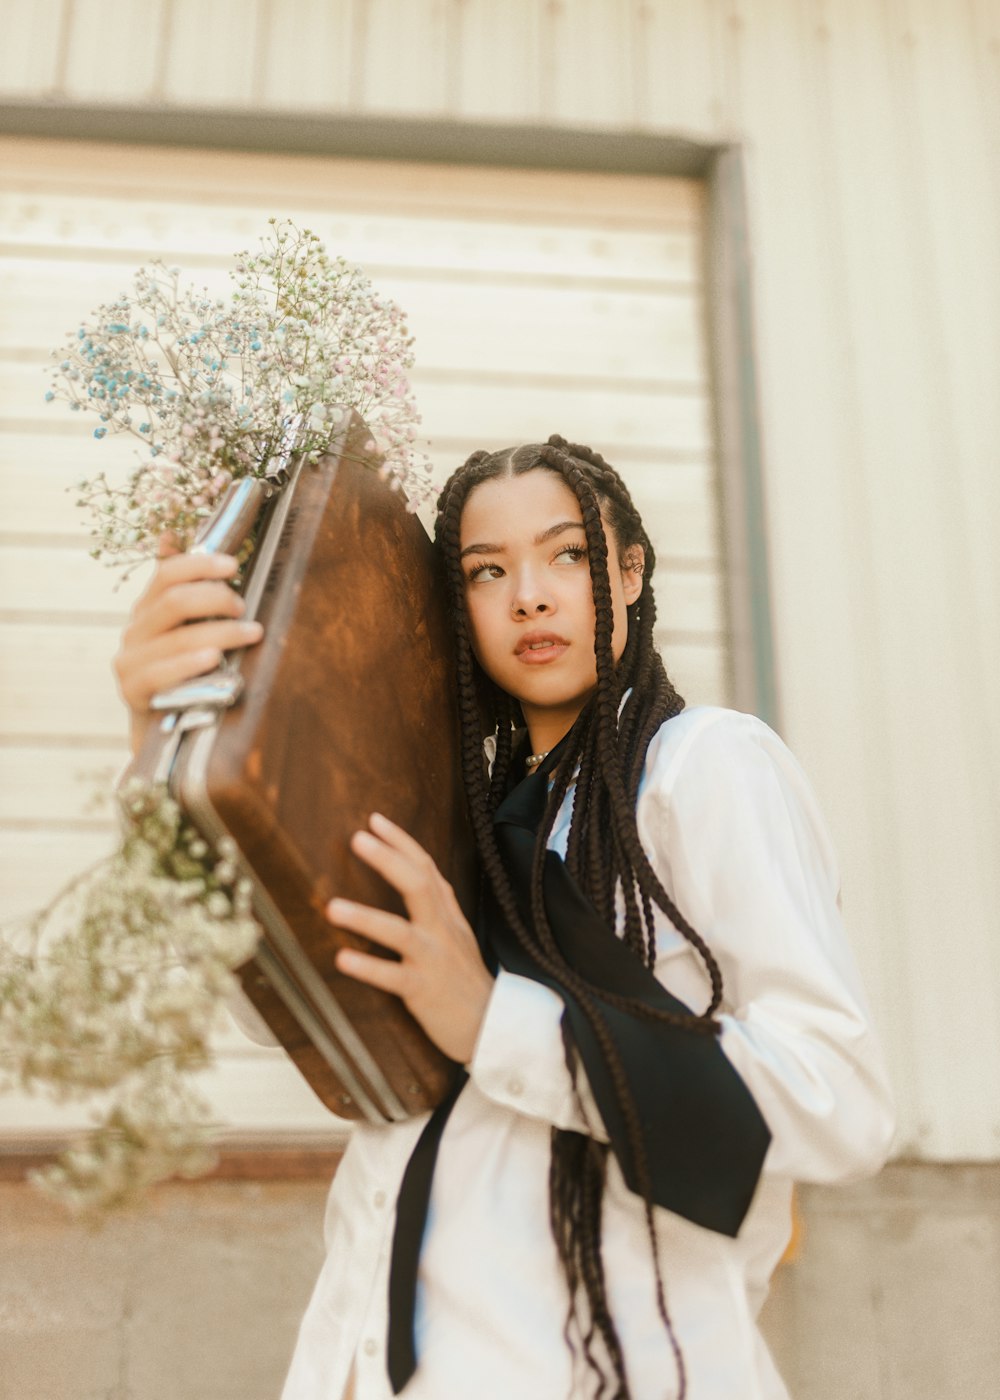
[(547, 727)]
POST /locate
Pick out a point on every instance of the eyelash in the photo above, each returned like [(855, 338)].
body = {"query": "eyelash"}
[(578, 551)]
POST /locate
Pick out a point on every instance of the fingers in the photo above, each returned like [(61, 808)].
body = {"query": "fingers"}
[(180, 626), (388, 929), (389, 975), (423, 863), (143, 668), (167, 544), (153, 675), (185, 602), (439, 972), (397, 837), (404, 863), (183, 587), (181, 567)]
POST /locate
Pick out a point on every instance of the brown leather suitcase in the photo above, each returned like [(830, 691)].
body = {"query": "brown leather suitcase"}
[(346, 706)]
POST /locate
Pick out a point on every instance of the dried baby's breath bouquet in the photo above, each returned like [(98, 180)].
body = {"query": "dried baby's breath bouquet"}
[(114, 989), (111, 992), (208, 386)]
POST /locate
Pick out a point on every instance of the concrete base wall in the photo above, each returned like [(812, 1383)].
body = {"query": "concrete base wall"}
[(894, 1294)]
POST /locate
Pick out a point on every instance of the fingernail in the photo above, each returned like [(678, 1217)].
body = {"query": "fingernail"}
[(377, 817), (339, 906)]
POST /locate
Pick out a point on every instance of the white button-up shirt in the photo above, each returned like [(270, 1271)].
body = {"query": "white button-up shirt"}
[(735, 835)]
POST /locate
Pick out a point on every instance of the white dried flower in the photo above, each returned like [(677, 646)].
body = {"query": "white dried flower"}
[(115, 987), (207, 387)]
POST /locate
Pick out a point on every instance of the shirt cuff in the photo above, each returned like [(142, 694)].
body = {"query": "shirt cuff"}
[(519, 1060)]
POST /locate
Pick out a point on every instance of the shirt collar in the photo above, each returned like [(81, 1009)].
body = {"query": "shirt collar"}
[(490, 741)]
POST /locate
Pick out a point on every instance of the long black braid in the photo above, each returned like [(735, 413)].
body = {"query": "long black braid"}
[(606, 752)]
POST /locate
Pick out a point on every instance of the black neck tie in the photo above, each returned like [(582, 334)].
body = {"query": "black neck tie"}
[(703, 1134)]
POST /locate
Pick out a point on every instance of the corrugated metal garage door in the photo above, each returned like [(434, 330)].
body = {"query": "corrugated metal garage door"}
[(540, 303)]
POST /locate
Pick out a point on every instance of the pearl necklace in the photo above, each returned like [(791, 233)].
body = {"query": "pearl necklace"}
[(534, 759)]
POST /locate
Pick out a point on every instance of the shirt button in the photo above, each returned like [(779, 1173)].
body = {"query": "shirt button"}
[(515, 1085), (371, 1347), (379, 1198)]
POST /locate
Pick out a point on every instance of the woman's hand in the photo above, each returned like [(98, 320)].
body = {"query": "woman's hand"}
[(157, 650), (441, 977)]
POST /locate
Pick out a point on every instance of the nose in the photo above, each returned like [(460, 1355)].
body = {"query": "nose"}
[(530, 598)]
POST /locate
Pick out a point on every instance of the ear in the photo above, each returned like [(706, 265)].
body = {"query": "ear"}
[(632, 564)]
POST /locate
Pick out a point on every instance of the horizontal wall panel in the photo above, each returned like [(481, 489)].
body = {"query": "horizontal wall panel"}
[(599, 334), (699, 670), (488, 414), (139, 34), (46, 580), (387, 79), (211, 47), (315, 76), (72, 227), (57, 681), (29, 55), (42, 464), (498, 59), (64, 785), (514, 413), (36, 865)]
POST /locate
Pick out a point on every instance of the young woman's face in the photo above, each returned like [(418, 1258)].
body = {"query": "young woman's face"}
[(529, 598)]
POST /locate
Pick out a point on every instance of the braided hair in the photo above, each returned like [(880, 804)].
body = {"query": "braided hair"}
[(606, 751)]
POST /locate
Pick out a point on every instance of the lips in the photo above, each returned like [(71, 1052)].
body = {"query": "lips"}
[(540, 644)]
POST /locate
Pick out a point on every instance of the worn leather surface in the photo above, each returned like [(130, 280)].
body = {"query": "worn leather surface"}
[(348, 708)]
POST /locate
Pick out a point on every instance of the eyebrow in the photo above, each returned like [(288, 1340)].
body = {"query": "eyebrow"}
[(548, 534)]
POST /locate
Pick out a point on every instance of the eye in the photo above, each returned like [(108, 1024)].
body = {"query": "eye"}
[(475, 574), (574, 553)]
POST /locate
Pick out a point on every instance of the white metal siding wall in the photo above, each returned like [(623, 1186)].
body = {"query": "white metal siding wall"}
[(872, 136), (539, 304)]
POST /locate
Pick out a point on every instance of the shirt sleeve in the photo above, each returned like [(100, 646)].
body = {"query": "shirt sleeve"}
[(736, 836), (519, 1060), (741, 836)]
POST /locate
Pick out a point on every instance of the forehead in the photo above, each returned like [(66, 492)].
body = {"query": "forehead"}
[(515, 507)]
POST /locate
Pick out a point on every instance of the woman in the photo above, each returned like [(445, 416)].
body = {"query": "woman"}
[(599, 1206)]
